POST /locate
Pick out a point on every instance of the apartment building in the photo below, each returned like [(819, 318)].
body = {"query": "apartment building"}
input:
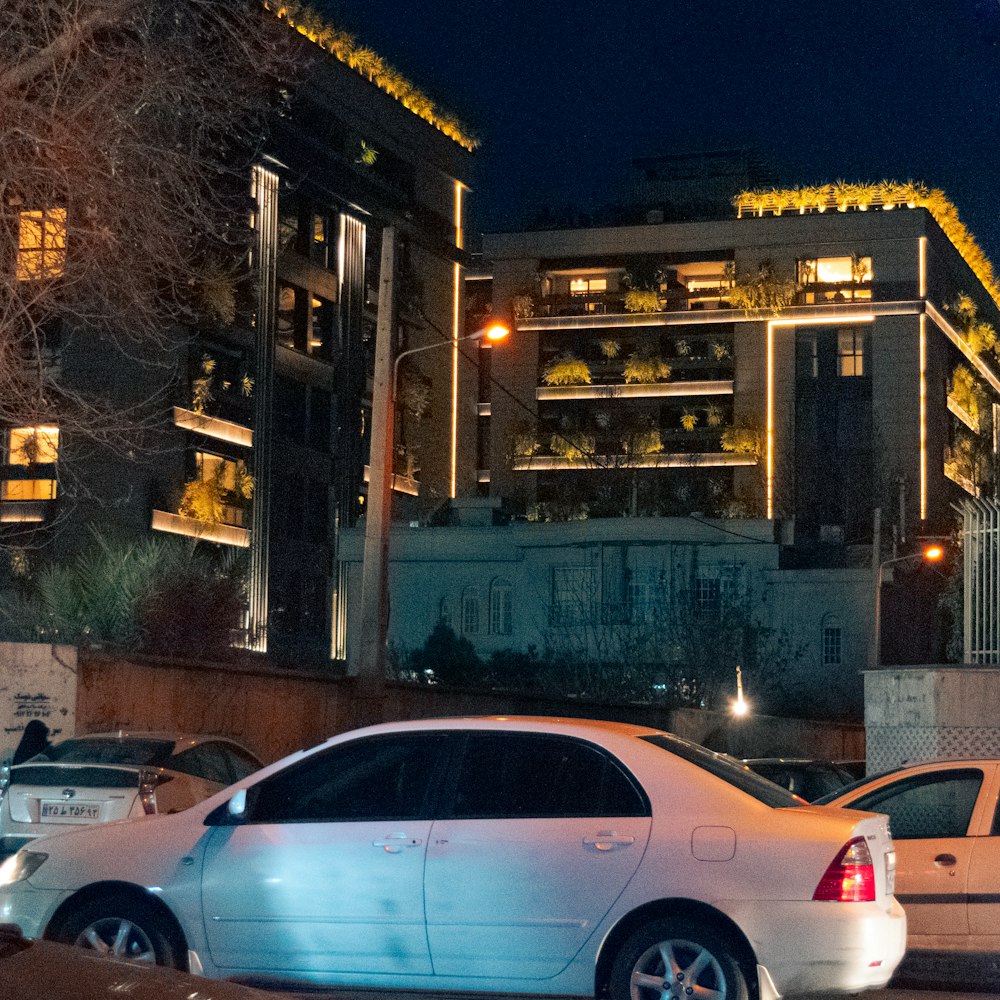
[(822, 354), (265, 419)]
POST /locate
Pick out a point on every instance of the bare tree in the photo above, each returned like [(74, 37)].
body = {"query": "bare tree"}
[(126, 128)]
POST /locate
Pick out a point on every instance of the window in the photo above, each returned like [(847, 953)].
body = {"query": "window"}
[(523, 776), (850, 353), (835, 279), (41, 244), (445, 614), (470, 612), (707, 595), (831, 644), (927, 806), (28, 446), (574, 592), (229, 477), (501, 616), (585, 286), (381, 778), (33, 445)]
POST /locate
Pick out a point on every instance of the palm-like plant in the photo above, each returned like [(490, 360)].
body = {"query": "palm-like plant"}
[(567, 369)]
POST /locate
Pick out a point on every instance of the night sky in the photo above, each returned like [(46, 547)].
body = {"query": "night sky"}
[(563, 95)]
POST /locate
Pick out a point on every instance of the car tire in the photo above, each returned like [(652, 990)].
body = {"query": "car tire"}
[(676, 960), (120, 928)]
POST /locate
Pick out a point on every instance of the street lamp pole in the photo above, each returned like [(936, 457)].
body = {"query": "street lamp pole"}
[(930, 553), (375, 570)]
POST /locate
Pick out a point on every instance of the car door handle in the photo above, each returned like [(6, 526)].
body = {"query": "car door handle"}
[(945, 860), (395, 842), (608, 841)]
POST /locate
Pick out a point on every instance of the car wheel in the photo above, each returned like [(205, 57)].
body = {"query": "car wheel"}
[(676, 960), (122, 929)]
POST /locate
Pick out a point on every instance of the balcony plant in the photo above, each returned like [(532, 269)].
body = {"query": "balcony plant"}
[(719, 351), (642, 300), (713, 416), (609, 348), (689, 420), (683, 349), (742, 439), (206, 499), (646, 368), (566, 369), (642, 443), (968, 394), (764, 292), (573, 445)]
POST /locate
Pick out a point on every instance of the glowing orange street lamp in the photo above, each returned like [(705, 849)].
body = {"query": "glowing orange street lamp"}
[(741, 706)]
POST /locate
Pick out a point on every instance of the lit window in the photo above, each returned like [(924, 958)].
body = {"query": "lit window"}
[(33, 445), (41, 244), (835, 270), (850, 353), (501, 615), (231, 479), (470, 612), (28, 489), (831, 644), (587, 286)]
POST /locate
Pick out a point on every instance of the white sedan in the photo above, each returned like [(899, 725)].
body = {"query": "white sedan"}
[(520, 855), (945, 820)]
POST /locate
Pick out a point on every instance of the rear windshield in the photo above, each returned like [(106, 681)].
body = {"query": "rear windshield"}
[(728, 769), (88, 750)]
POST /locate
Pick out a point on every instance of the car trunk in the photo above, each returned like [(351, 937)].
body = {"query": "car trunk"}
[(71, 793)]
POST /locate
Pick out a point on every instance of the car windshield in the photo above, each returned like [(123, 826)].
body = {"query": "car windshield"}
[(109, 750), (728, 769)]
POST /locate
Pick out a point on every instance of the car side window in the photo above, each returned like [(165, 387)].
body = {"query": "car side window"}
[(203, 761), (927, 806), (239, 762), (379, 778), (522, 776)]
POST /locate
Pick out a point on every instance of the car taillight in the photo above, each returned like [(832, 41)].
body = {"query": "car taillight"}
[(149, 781), (851, 876)]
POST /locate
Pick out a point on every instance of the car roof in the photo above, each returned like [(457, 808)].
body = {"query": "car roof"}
[(181, 741), (526, 723)]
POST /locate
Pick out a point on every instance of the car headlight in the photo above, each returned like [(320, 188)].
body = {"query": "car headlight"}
[(20, 866)]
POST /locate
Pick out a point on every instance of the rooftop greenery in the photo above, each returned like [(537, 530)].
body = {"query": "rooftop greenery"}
[(883, 196), (347, 49)]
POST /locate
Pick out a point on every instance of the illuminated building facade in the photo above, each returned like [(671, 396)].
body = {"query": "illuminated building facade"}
[(809, 366), (271, 413)]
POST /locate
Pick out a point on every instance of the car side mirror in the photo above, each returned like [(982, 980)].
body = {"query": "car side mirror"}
[(237, 805), (230, 813)]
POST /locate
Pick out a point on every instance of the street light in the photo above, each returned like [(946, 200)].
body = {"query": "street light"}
[(495, 331), (741, 706), (375, 566), (929, 553)]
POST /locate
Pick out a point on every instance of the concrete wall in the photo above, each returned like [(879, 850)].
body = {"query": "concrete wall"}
[(276, 713), (37, 681), (926, 713)]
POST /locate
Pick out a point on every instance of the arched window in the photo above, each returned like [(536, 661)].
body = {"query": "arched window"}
[(832, 641), (445, 614), (470, 611), (501, 615)]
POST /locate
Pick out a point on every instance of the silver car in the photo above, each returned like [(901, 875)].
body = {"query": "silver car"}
[(107, 776), (505, 855)]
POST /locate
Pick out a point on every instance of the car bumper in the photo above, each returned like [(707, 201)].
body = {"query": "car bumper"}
[(30, 908), (808, 947)]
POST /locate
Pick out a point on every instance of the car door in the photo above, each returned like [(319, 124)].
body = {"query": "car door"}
[(984, 873), (539, 837), (325, 874), (931, 817)]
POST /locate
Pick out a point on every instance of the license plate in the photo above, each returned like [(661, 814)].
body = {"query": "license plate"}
[(68, 812)]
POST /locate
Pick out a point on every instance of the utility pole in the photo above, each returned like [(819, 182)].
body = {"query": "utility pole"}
[(374, 581)]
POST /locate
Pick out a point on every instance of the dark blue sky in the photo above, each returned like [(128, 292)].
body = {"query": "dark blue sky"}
[(564, 94)]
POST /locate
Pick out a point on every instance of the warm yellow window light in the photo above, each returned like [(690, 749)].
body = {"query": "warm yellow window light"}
[(214, 466), (33, 445), (41, 243), (584, 286), (28, 489)]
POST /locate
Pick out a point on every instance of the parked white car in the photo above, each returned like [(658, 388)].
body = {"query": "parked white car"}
[(521, 855), (945, 820), (108, 776)]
